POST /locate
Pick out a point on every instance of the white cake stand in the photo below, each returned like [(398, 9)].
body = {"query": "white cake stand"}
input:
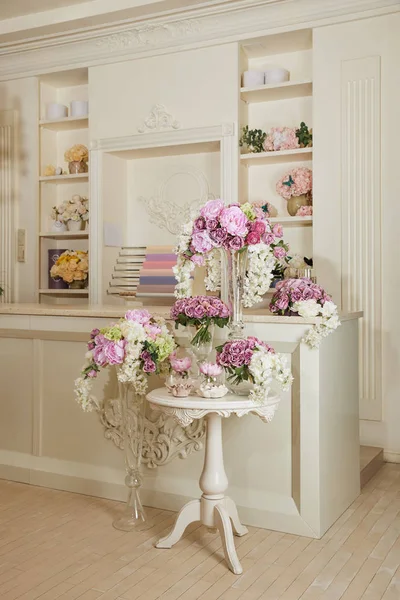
[(213, 509)]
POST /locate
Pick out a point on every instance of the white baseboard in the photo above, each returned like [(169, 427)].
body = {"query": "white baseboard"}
[(391, 457), (107, 483)]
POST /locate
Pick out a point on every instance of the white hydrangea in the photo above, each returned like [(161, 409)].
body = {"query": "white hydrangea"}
[(213, 276), (260, 264), (264, 368), (329, 320), (182, 271)]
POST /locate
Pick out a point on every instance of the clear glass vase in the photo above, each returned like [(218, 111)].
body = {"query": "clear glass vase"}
[(240, 389), (132, 411), (180, 385), (234, 263), (201, 344)]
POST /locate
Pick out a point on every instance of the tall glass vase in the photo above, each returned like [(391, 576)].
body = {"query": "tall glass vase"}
[(234, 263), (132, 411)]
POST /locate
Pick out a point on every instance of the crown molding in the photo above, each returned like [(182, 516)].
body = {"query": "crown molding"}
[(194, 28)]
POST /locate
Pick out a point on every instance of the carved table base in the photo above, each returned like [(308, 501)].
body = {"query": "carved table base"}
[(213, 509)]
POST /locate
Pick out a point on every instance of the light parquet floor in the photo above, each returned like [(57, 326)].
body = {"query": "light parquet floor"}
[(61, 546)]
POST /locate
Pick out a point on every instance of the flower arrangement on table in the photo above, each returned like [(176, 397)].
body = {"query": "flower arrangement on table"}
[(302, 297), (211, 384), (77, 158), (201, 312), (296, 187), (232, 228), (73, 268), (179, 383), (251, 366), (137, 345), (75, 210)]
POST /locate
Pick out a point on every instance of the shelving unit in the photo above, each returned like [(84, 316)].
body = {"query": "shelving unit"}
[(55, 137), (263, 158), (284, 104)]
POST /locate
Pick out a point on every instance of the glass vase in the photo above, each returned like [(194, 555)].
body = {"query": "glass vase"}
[(180, 385), (201, 343), (212, 387), (235, 266), (243, 388), (77, 166), (132, 412)]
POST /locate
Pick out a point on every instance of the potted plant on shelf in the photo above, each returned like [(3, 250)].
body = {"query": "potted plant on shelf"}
[(73, 268), (296, 187), (77, 158), (72, 214)]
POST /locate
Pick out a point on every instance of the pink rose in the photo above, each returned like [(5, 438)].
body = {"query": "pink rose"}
[(149, 366), (296, 295), (277, 230), (218, 236), (308, 294), (236, 243), (212, 209), (91, 345), (253, 238), (139, 316), (202, 242), (198, 260), (92, 374), (199, 224), (94, 332), (234, 221), (268, 238), (199, 312), (282, 302), (279, 252), (258, 227), (212, 224)]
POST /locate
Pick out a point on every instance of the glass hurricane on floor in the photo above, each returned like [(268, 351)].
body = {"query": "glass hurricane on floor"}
[(132, 413)]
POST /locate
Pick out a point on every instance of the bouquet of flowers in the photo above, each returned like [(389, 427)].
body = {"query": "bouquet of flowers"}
[(180, 365), (281, 138), (137, 345), (178, 382), (71, 265), (232, 228), (76, 209), (200, 312), (78, 153), (297, 182), (254, 361), (307, 299)]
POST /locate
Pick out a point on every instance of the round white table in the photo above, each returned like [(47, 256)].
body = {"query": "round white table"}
[(213, 509)]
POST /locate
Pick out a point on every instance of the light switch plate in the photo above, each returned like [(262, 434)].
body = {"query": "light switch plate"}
[(21, 244)]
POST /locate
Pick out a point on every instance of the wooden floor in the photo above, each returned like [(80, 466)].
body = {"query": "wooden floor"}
[(58, 545)]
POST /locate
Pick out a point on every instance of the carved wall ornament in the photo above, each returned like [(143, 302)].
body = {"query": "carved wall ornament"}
[(164, 439), (158, 120), (168, 214)]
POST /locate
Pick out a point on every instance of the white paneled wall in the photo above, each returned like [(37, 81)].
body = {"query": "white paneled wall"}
[(7, 203)]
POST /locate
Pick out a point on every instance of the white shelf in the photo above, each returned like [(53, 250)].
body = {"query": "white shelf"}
[(276, 91), (292, 221), (66, 292), (263, 158), (65, 124), (65, 178), (66, 235)]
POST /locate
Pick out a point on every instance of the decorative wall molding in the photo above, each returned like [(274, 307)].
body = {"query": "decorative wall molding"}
[(361, 220), (164, 439), (232, 21), (7, 204), (169, 215), (158, 120)]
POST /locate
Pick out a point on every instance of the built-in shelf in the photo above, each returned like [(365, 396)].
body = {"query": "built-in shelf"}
[(65, 178), (276, 91), (263, 158), (66, 124), (292, 221), (67, 292), (66, 235)]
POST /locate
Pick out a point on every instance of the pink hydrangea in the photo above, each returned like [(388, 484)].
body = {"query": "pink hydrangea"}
[(295, 183), (305, 211), (281, 138), (201, 242), (141, 316)]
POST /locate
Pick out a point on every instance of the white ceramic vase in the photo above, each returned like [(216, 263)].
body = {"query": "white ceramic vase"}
[(58, 227), (74, 225)]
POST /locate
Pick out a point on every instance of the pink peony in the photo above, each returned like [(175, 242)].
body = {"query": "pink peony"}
[(258, 227), (115, 352), (236, 243), (277, 230), (268, 238), (139, 316), (234, 221), (218, 236), (180, 365), (210, 369), (279, 252), (212, 224), (212, 209), (202, 242)]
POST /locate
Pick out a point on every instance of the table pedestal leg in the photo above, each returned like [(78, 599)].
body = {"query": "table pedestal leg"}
[(214, 509)]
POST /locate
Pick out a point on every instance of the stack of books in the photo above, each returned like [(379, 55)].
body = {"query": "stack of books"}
[(156, 275)]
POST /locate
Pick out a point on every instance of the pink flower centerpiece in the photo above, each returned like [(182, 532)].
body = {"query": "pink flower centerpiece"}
[(211, 384), (296, 187), (251, 365), (137, 345), (281, 138), (179, 383), (200, 312), (302, 297)]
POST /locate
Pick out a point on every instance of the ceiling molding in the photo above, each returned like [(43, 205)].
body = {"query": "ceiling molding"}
[(194, 28)]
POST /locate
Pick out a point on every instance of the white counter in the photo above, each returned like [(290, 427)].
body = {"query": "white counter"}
[(296, 474)]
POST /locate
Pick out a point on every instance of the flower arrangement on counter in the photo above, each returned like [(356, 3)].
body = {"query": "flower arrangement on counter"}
[(72, 266), (302, 297), (230, 228), (200, 312), (296, 187), (76, 209), (77, 158), (276, 139), (137, 345), (253, 362)]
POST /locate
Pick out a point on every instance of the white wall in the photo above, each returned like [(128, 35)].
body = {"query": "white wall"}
[(347, 58), (22, 97)]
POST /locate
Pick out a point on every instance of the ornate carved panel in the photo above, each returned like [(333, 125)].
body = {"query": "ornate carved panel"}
[(361, 219), (158, 120)]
